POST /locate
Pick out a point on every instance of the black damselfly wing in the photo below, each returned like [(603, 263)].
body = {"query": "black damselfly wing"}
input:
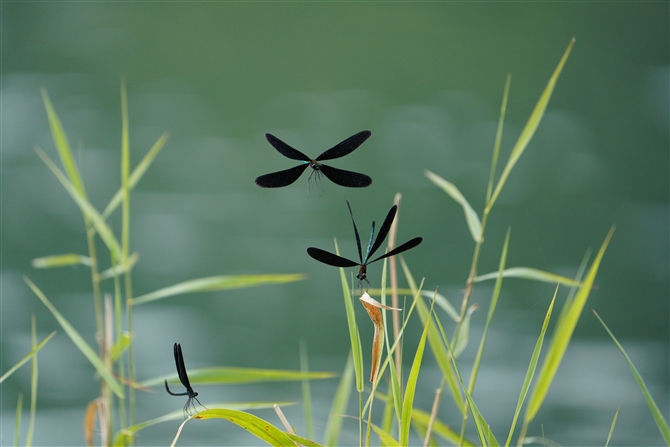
[(183, 378), (340, 177), (338, 261)]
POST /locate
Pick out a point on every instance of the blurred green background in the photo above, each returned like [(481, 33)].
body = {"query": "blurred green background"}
[(427, 80)]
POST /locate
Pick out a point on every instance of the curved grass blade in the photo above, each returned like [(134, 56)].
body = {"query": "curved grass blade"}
[(609, 435), (214, 283), (62, 145), (532, 367), (137, 174), (354, 335), (299, 440), (410, 388), (28, 356), (78, 341), (258, 427), (87, 209), (562, 335), (532, 274), (530, 127), (339, 406), (232, 375), (17, 421), (489, 317), (436, 345), (471, 217), (655, 412), (422, 418), (385, 437), (122, 437)]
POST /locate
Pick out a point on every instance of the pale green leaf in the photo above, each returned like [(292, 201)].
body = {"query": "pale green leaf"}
[(258, 427), (354, 335), (410, 388), (27, 357), (655, 412), (563, 334), (214, 283), (339, 405), (137, 174), (532, 366), (531, 126), (232, 375), (79, 342), (386, 438), (87, 209), (471, 217), (62, 145), (64, 260), (118, 270), (532, 274), (129, 432), (440, 429)]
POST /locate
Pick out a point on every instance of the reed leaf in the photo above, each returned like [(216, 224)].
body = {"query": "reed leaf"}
[(214, 283)]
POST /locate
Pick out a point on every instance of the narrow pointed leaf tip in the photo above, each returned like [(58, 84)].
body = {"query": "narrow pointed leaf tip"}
[(471, 217)]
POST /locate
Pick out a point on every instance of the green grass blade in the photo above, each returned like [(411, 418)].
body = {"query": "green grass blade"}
[(130, 432), (47, 262), (436, 346), (530, 127), (34, 374), (17, 421), (421, 418), (137, 174), (339, 406), (442, 302), (498, 140), (562, 334), (489, 317), (655, 412), (78, 341), (258, 427), (62, 145), (125, 173), (232, 375), (303, 441), (471, 217), (611, 432), (532, 274), (89, 211), (354, 334), (530, 372), (410, 388), (386, 438), (306, 391), (28, 356), (462, 332), (118, 270), (482, 426), (213, 283)]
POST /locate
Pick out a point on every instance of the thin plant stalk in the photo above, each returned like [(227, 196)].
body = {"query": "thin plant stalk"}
[(125, 241)]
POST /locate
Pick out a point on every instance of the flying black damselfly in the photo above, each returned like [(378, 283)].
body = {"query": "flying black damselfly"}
[(338, 176), (338, 261), (183, 377)]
